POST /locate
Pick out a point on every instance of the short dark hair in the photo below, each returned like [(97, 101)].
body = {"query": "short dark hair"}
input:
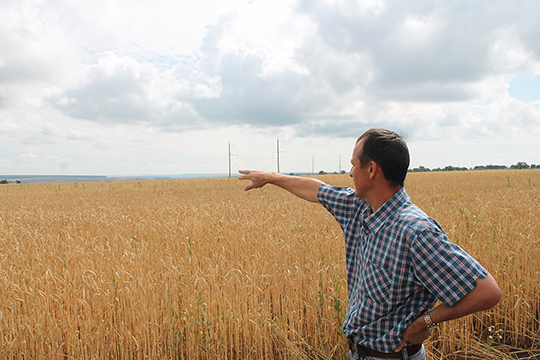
[(389, 151)]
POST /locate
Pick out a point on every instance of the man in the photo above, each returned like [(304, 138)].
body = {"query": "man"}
[(399, 261)]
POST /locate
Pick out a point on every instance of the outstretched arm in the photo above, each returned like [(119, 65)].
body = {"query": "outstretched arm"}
[(303, 187), (484, 296)]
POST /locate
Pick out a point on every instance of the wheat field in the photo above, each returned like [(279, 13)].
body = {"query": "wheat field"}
[(199, 269)]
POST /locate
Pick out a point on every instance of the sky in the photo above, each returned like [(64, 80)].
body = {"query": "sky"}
[(135, 87)]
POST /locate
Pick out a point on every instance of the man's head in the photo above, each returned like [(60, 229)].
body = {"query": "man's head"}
[(388, 150)]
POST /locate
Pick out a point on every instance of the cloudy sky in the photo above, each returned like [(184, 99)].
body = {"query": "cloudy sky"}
[(131, 87)]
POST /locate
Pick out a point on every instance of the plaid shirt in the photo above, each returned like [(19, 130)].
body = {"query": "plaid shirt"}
[(399, 262)]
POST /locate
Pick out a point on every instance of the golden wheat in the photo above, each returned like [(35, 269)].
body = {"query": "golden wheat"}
[(198, 269)]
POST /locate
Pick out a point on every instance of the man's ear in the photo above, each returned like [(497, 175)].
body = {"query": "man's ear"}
[(373, 167)]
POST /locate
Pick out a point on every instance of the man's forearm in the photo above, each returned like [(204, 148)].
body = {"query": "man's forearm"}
[(484, 296), (303, 187)]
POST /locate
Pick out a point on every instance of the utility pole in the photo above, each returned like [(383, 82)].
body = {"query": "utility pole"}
[(229, 159), (278, 152), (230, 154), (339, 163), (312, 164), (278, 155)]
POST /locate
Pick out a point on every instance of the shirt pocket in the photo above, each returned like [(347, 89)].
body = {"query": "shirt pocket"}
[(376, 283)]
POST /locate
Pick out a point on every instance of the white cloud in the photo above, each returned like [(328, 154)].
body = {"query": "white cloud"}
[(89, 73)]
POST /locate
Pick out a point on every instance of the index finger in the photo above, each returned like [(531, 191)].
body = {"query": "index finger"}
[(244, 172)]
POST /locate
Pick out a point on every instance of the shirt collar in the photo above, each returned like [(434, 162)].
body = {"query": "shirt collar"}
[(375, 220)]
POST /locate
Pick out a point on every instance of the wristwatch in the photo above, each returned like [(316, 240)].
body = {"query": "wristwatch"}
[(429, 323)]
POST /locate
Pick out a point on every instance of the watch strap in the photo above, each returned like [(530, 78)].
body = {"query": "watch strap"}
[(429, 323)]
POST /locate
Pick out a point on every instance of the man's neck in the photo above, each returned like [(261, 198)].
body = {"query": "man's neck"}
[(380, 196)]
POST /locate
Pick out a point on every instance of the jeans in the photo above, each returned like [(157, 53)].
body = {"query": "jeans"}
[(420, 355)]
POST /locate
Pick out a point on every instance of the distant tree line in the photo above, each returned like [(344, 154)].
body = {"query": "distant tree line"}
[(519, 165), (4, 181)]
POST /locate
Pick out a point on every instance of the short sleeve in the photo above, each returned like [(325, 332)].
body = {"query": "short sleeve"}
[(341, 202), (448, 272)]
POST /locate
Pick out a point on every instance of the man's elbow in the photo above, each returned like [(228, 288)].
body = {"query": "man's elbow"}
[(492, 298), (491, 293), (495, 298)]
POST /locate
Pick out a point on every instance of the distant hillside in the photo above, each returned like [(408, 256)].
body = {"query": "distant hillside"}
[(27, 179), (51, 178)]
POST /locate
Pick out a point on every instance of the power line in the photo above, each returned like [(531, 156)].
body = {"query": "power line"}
[(143, 149), (101, 122), (96, 96), (74, 90), (70, 157), (92, 141)]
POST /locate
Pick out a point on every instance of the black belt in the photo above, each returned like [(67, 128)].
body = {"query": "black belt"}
[(364, 351)]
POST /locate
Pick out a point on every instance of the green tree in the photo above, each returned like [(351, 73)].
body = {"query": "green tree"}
[(520, 165)]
